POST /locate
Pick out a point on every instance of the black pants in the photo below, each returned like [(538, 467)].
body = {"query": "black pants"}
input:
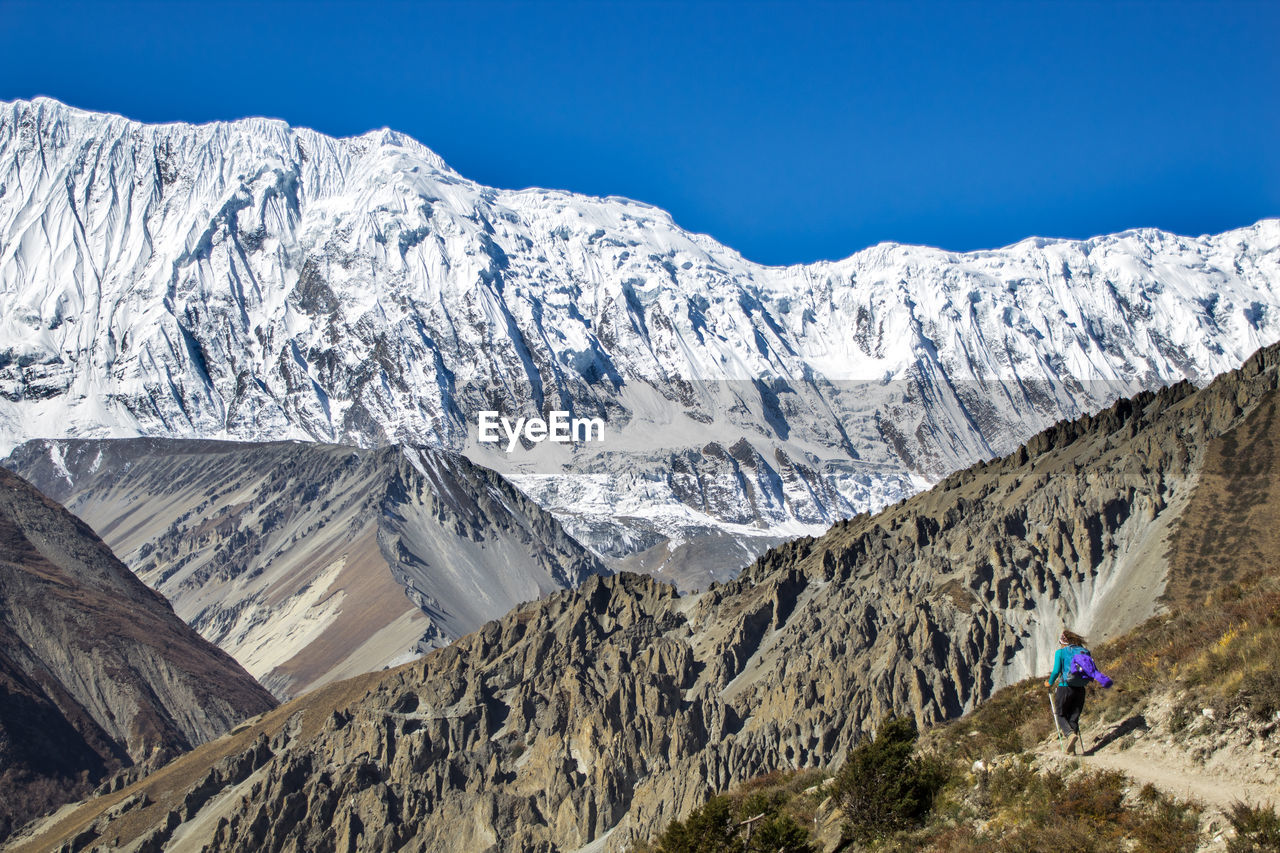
[(1070, 702)]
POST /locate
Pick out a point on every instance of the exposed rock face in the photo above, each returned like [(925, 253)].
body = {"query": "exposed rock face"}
[(96, 671), (313, 562), (616, 707), (255, 281)]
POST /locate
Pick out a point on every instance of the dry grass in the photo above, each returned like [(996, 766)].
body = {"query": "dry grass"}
[(1016, 808), (1223, 633), (1228, 530), (1013, 719), (1221, 653)]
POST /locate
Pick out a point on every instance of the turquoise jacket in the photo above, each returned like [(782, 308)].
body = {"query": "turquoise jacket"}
[(1062, 667)]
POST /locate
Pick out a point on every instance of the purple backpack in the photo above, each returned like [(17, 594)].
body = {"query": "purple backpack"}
[(1082, 665)]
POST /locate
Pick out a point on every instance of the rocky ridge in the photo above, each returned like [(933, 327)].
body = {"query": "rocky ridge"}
[(97, 673), (309, 562), (598, 715)]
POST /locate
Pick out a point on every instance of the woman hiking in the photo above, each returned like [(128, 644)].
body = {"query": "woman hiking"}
[(1067, 687)]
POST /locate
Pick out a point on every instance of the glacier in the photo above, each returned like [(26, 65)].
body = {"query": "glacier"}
[(253, 281)]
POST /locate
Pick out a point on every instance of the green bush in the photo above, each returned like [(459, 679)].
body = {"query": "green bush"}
[(720, 826), (882, 787), (709, 828)]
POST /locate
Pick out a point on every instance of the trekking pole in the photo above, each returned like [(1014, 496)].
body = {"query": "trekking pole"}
[(1080, 734), (1053, 707)]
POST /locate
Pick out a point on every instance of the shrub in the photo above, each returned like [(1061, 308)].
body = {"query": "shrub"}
[(1257, 830), (1056, 812), (882, 787), (1096, 797), (1180, 718), (1260, 693), (720, 826), (709, 828), (1165, 827)]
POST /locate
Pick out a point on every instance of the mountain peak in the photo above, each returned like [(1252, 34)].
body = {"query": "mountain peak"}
[(43, 108), (253, 281)]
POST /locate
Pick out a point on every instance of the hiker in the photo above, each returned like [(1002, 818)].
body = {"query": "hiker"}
[(1073, 668)]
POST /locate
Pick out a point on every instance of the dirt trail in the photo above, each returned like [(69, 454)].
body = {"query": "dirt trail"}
[(1188, 784), (1232, 774)]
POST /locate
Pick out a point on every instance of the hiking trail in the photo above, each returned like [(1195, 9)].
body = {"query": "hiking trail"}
[(1227, 771)]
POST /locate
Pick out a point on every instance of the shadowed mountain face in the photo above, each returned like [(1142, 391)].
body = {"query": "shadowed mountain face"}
[(97, 673), (313, 562), (617, 707)]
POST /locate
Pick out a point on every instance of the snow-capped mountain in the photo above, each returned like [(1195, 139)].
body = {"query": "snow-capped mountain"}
[(250, 280)]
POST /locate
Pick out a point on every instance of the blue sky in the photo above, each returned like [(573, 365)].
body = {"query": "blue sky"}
[(790, 131)]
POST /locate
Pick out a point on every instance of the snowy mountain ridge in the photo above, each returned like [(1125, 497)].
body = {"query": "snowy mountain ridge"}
[(254, 281)]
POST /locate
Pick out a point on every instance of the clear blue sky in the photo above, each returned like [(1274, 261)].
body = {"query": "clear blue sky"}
[(790, 131)]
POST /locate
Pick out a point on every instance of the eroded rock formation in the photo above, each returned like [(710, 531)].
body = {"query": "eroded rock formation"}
[(601, 714)]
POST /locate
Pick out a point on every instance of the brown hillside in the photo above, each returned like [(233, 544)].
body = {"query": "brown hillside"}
[(96, 671), (1232, 524), (619, 706)]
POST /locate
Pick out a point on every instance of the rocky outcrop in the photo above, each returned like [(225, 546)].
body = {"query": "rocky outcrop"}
[(97, 673), (603, 713), (310, 562)]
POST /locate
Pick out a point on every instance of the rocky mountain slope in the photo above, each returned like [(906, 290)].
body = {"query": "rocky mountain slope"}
[(312, 562), (97, 674), (256, 281), (596, 716)]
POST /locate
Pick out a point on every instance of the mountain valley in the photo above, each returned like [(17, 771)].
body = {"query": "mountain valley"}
[(597, 715), (253, 360), (98, 676), (307, 562)]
